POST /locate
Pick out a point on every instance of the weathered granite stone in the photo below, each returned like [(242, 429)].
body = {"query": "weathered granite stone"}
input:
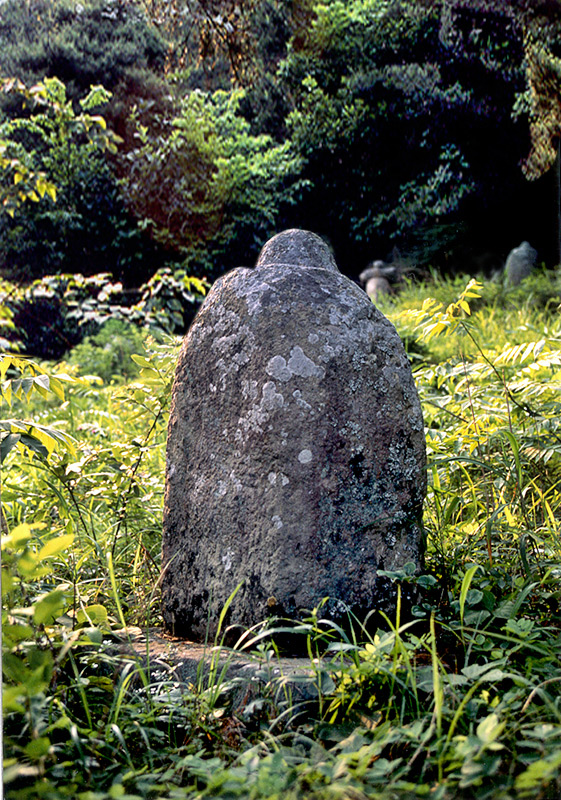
[(520, 263), (296, 452)]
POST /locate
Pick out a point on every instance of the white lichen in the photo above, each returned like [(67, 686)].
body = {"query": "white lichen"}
[(278, 369), (299, 364)]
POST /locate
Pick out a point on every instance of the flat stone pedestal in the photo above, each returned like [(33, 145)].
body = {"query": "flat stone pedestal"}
[(197, 666)]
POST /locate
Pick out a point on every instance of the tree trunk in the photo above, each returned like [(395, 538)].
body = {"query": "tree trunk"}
[(557, 168)]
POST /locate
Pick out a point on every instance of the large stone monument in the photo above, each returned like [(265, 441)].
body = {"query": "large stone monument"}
[(296, 451)]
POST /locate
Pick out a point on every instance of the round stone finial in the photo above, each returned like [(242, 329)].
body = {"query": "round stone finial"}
[(297, 248)]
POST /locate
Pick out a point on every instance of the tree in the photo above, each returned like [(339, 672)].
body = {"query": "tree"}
[(542, 43), (53, 151), (403, 113), (536, 27), (20, 180), (92, 42), (81, 43), (217, 36), (206, 186)]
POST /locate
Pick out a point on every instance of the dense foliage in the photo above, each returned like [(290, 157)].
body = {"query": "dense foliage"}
[(207, 187), (430, 126), (97, 41), (53, 314), (55, 154), (459, 698)]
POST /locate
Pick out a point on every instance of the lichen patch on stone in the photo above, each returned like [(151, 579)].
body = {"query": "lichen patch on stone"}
[(300, 364), (305, 456), (278, 369)]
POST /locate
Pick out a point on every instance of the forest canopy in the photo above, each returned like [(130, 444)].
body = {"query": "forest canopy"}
[(431, 127)]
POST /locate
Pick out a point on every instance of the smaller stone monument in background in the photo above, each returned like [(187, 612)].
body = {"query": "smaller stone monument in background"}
[(296, 451), (376, 279), (385, 277), (520, 263)]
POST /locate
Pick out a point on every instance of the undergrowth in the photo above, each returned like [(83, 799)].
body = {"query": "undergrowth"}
[(458, 697)]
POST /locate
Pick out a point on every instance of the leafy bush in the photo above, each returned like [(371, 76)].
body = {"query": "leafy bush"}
[(54, 314), (169, 300), (107, 354), (206, 186), (63, 204)]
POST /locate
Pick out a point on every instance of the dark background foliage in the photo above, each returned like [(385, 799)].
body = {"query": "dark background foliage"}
[(430, 127)]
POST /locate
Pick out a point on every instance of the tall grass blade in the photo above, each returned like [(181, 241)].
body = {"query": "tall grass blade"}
[(438, 696), (466, 583)]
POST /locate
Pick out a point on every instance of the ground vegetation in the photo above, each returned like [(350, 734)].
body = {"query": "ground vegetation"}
[(455, 695)]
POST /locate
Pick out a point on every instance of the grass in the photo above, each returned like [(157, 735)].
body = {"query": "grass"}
[(458, 695)]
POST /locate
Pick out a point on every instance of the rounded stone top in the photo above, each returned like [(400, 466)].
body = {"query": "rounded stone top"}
[(297, 248)]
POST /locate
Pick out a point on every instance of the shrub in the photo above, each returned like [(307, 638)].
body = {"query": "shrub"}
[(205, 186), (62, 201), (107, 353), (54, 314), (169, 300)]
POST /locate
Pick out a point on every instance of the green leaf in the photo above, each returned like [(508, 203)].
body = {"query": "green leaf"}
[(466, 582), (48, 608), (54, 546), (19, 536), (7, 582), (42, 384), (37, 748), (92, 636), (484, 672), (150, 375), (7, 392), (538, 775), (473, 597), (56, 387), (34, 444), (520, 627), (97, 96), (490, 729), (426, 580), (142, 362), (11, 699), (14, 668), (7, 444), (13, 634), (94, 614)]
